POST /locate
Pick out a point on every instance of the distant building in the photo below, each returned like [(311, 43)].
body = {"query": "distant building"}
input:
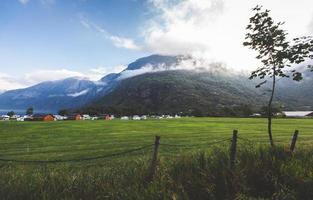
[(298, 113), (136, 117), (108, 117), (43, 117), (143, 117), (28, 118), (20, 119), (15, 117), (256, 115), (94, 118), (5, 118), (75, 117), (86, 117), (60, 117), (124, 118)]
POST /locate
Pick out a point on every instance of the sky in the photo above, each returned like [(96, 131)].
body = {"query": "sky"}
[(44, 40)]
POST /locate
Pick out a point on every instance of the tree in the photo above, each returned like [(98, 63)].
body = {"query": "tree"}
[(276, 53), (11, 113), (30, 111), (63, 112), (275, 110)]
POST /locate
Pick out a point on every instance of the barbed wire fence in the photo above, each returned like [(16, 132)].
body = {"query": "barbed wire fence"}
[(154, 148)]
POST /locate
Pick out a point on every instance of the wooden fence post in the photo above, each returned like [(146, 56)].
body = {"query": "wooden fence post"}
[(233, 149), (294, 140), (154, 159)]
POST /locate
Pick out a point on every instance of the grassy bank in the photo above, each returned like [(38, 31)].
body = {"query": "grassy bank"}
[(260, 173)]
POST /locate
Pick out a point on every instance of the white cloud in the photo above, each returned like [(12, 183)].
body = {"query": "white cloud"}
[(142, 70), (99, 72), (310, 26), (215, 29), (24, 2), (124, 43), (47, 2), (185, 63), (120, 42), (183, 27), (9, 82), (49, 75)]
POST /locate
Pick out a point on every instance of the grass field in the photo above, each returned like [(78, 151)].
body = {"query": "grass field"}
[(190, 170), (79, 139)]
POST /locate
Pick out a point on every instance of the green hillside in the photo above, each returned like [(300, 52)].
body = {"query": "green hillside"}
[(173, 92)]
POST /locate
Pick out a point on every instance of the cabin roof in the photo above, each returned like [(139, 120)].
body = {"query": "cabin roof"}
[(297, 113)]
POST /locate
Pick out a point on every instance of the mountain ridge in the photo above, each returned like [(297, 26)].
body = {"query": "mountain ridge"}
[(78, 92)]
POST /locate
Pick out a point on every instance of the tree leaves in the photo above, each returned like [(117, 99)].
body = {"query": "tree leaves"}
[(274, 51)]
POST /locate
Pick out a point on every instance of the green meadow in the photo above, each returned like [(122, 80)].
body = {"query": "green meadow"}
[(76, 139), (193, 160)]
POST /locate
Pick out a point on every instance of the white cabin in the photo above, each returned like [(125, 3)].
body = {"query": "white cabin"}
[(136, 117), (5, 117), (298, 113), (86, 117), (143, 117), (124, 118)]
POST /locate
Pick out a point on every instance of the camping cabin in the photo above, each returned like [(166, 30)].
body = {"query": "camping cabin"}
[(28, 118), (86, 117), (60, 117), (75, 117), (107, 117), (136, 117), (43, 117), (94, 118), (5, 118), (124, 118), (298, 114)]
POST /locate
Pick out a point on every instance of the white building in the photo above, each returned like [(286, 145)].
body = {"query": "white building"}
[(94, 118), (298, 113), (59, 117), (20, 119), (124, 118), (5, 117), (86, 117), (136, 117), (143, 117)]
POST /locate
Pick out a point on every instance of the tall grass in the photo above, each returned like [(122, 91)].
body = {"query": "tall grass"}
[(260, 173)]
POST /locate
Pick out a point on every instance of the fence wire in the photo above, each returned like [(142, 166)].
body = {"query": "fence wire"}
[(122, 153), (193, 145), (77, 159), (260, 142)]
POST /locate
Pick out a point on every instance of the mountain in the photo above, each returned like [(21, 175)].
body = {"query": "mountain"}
[(51, 95), (175, 91), (296, 95), (212, 90), (161, 84)]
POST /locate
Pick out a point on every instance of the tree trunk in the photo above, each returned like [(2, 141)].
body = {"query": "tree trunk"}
[(269, 114)]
